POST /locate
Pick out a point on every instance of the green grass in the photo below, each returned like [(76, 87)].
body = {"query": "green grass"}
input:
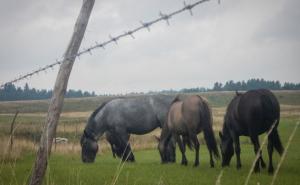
[(68, 169)]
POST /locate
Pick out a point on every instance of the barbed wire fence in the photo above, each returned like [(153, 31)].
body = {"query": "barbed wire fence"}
[(130, 33)]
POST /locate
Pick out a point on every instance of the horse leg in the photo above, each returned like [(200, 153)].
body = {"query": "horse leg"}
[(197, 147), (262, 162), (255, 142), (165, 137), (182, 149), (270, 153), (113, 149), (127, 154), (237, 148), (172, 148)]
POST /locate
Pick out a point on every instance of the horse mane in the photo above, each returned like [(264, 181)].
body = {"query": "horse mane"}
[(176, 99), (98, 109)]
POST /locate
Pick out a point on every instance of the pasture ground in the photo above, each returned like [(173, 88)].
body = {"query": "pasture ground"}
[(66, 168)]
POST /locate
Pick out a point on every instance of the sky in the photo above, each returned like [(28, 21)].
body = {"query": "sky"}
[(235, 40)]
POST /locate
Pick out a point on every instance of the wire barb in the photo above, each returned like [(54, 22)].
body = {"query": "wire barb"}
[(147, 25), (165, 17), (131, 34), (188, 7), (114, 39)]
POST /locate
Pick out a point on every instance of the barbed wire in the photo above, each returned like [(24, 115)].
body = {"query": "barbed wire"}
[(129, 33)]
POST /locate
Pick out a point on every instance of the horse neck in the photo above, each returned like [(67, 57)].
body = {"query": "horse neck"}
[(226, 133), (95, 128)]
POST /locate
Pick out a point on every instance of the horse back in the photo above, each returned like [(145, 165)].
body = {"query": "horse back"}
[(196, 113), (175, 118), (258, 109)]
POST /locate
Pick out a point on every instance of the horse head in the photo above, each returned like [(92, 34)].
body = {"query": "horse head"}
[(226, 147), (89, 147), (168, 152)]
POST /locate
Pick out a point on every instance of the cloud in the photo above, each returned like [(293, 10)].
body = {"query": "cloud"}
[(235, 40)]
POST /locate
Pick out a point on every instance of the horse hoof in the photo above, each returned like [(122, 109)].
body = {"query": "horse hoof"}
[(239, 166), (196, 164), (270, 171), (184, 163), (163, 162)]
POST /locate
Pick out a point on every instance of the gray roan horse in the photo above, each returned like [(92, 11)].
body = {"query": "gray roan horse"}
[(121, 117), (250, 114), (188, 118)]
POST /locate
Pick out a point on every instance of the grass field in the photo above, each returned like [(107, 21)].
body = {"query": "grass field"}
[(66, 168)]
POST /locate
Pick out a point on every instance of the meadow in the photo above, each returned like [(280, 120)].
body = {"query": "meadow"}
[(65, 166)]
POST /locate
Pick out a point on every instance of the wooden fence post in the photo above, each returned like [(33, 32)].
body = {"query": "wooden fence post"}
[(12, 127), (59, 90)]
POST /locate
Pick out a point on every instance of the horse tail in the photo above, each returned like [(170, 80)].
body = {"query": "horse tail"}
[(275, 139), (206, 119)]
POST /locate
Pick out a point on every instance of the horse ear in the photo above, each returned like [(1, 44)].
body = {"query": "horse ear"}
[(221, 135), (157, 138)]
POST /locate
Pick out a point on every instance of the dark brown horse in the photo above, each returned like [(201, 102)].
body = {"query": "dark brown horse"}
[(188, 118), (250, 114)]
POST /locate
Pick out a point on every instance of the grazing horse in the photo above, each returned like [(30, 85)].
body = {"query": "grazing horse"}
[(122, 117), (188, 118), (251, 114)]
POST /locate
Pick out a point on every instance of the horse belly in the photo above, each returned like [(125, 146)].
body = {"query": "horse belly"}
[(142, 125)]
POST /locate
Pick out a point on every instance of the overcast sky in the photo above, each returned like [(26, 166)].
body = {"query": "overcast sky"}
[(236, 40)]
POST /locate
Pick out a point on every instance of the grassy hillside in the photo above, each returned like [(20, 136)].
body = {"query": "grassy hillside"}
[(216, 99)]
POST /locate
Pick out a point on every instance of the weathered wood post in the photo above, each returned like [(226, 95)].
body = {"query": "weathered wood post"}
[(12, 130), (57, 99), (75, 135)]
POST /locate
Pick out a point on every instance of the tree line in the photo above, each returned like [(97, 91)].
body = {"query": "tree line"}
[(237, 86), (254, 84), (11, 93)]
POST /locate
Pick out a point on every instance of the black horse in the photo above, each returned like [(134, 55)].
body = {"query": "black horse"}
[(251, 114), (122, 117)]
